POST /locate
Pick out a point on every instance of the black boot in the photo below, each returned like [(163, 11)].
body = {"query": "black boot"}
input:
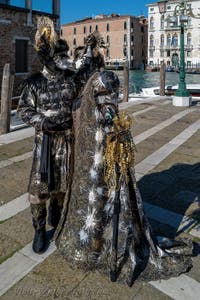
[(39, 221), (55, 209)]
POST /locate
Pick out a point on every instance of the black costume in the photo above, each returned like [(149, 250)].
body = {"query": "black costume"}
[(104, 226)]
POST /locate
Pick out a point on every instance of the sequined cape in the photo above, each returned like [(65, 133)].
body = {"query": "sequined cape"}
[(86, 236), (48, 96)]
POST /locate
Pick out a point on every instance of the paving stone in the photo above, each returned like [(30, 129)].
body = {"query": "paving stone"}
[(18, 229), (16, 148), (14, 180)]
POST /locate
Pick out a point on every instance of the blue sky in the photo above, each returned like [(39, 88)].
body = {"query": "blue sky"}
[(72, 10), (78, 9)]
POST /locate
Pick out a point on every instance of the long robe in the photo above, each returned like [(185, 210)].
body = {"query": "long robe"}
[(87, 236), (45, 96)]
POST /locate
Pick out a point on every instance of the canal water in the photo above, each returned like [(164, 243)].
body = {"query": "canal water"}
[(140, 79)]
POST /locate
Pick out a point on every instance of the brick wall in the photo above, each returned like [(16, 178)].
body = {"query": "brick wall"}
[(13, 25)]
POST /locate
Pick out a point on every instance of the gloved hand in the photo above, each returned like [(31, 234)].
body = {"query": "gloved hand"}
[(49, 125)]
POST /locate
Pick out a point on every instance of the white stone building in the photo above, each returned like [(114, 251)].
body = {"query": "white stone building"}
[(164, 39)]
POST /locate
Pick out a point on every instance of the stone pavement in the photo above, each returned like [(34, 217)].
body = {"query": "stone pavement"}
[(168, 172)]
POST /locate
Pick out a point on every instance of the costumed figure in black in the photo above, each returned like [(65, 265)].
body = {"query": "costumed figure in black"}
[(105, 227), (46, 104)]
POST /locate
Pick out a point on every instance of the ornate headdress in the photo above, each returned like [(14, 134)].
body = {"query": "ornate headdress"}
[(96, 42), (45, 27)]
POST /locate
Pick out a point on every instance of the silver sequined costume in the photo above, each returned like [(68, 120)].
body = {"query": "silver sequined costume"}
[(86, 239), (46, 96)]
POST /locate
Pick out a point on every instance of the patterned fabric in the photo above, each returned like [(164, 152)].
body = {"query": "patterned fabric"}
[(86, 240), (48, 97)]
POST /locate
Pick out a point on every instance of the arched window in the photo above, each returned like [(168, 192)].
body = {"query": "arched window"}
[(175, 40), (162, 22), (151, 23), (189, 39), (84, 29), (74, 30), (168, 40), (108, 27), (125, 25), (96, 27), (151, 40), (74, 42), (162, 40), (90, 28)]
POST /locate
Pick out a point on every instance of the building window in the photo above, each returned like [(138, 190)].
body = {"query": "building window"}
[(189, 21), (162, 40), (74, 30), (188, 53), (125, 39), (189, 39), (108, 39), (162, 22), (142, 28), (125, 52), (175, 24), (96, 27), (84, 29), (61, 32), (151, 41), (162, 53), (151, 23), (21, 56), (168, 53), (189, 64), (90, 28), (108, 27), (151, 53), (151, 9), (107, 53), (132, 52), (74, 42), (168, 40), (174, 41), (168, 7), (125, 25), (132, 26)]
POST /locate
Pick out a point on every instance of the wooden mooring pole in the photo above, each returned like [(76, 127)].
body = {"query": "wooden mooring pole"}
[(162, 79), (6, 99), (126, 81)]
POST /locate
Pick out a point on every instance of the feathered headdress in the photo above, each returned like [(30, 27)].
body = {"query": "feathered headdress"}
[(45, 28), (96, 42)]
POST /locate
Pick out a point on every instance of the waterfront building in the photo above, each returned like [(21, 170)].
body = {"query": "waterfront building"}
[(18, 26), (125, 37), (164, 39)]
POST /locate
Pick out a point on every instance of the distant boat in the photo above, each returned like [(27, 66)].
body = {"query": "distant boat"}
[(191, 71), (169, 69), (152, 69), (194, 90)]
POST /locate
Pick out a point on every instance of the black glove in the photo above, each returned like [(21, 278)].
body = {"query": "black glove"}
[(49, 125)]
